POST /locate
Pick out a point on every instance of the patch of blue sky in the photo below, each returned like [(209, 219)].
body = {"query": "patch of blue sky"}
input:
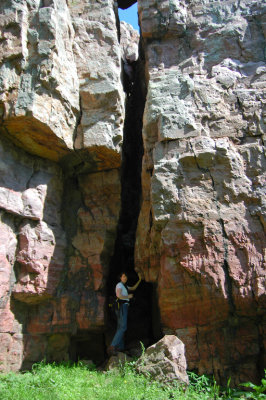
[(130, 15)]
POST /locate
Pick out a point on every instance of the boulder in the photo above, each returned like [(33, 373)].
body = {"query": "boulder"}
[(129, 42), (117, 361), (164, 361)]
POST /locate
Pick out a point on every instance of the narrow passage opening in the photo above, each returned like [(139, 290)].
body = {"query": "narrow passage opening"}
[(139, 316), (130, 15), (143, 318)]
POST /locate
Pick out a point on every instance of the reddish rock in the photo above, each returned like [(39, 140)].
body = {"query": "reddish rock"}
[(34, 349), (201, 229), (91, 311), (11, 355), (61, 317), (32, 251), (97, 223), (40, 260)]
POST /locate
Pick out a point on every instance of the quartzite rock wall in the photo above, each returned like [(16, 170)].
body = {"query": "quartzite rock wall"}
[(200, 237), (39, 82), (61, 100), (201, 227)]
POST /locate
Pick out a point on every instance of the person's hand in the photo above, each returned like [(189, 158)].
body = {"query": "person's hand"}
[(130, 296)]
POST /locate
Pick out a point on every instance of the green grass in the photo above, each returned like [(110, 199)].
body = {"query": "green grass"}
[(78, 382)]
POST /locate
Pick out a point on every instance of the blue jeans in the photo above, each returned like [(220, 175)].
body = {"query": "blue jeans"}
[(121, 314)]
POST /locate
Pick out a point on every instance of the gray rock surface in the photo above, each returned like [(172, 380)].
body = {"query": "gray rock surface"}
[(164, 361), (98, 59), (201, 229), (61, 98), (39, 89)]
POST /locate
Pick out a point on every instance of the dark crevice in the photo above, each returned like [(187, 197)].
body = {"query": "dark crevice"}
[(142, 310), (79, 118), (89, 346), (225, 266), (261, 354), (72, 203), (229, 287)]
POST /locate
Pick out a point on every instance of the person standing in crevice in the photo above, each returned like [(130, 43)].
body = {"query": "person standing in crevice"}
[(123, 297)]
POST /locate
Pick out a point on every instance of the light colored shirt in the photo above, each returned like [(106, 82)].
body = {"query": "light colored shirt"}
[(124, 291)]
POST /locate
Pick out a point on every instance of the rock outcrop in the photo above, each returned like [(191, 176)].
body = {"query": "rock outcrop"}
[(61, 99), (98, 59), (39, 91), (72, 92), (33, 247), (201, 227)]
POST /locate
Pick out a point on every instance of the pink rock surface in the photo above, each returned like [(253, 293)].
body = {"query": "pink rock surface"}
[(201, 229), (41, 260)]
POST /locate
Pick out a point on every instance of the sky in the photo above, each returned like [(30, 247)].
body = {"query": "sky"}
[(130, 15)]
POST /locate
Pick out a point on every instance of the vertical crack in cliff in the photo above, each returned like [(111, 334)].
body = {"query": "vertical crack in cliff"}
[(140, 314), (78, 122), (225, 266), (261, 353), (132, 152)]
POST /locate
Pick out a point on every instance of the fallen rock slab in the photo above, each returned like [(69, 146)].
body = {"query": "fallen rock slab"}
[(164, 361)]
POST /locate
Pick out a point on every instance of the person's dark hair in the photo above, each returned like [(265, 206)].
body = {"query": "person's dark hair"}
[(121, 273)]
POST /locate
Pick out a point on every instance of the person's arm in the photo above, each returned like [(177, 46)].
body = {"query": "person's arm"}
[(121, 297), (132, 288)]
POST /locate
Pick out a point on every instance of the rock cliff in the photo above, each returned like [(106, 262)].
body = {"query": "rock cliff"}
[(202, 222), (62, 115), (148, 156)]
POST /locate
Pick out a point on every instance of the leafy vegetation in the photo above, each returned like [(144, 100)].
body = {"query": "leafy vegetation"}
[(205, 385), (80, 382)]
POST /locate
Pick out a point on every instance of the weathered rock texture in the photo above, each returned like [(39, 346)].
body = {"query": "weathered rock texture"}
[(68, 94), (164, 361), (98, 59), (32, 246), (62, 99), (202, 223), (39, 91)]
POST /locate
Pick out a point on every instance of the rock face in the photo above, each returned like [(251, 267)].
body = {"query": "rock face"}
[(98, 59), (71, 96), (201, 227), (164, 361), (61, 99), (33, 245), (39, 91)]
